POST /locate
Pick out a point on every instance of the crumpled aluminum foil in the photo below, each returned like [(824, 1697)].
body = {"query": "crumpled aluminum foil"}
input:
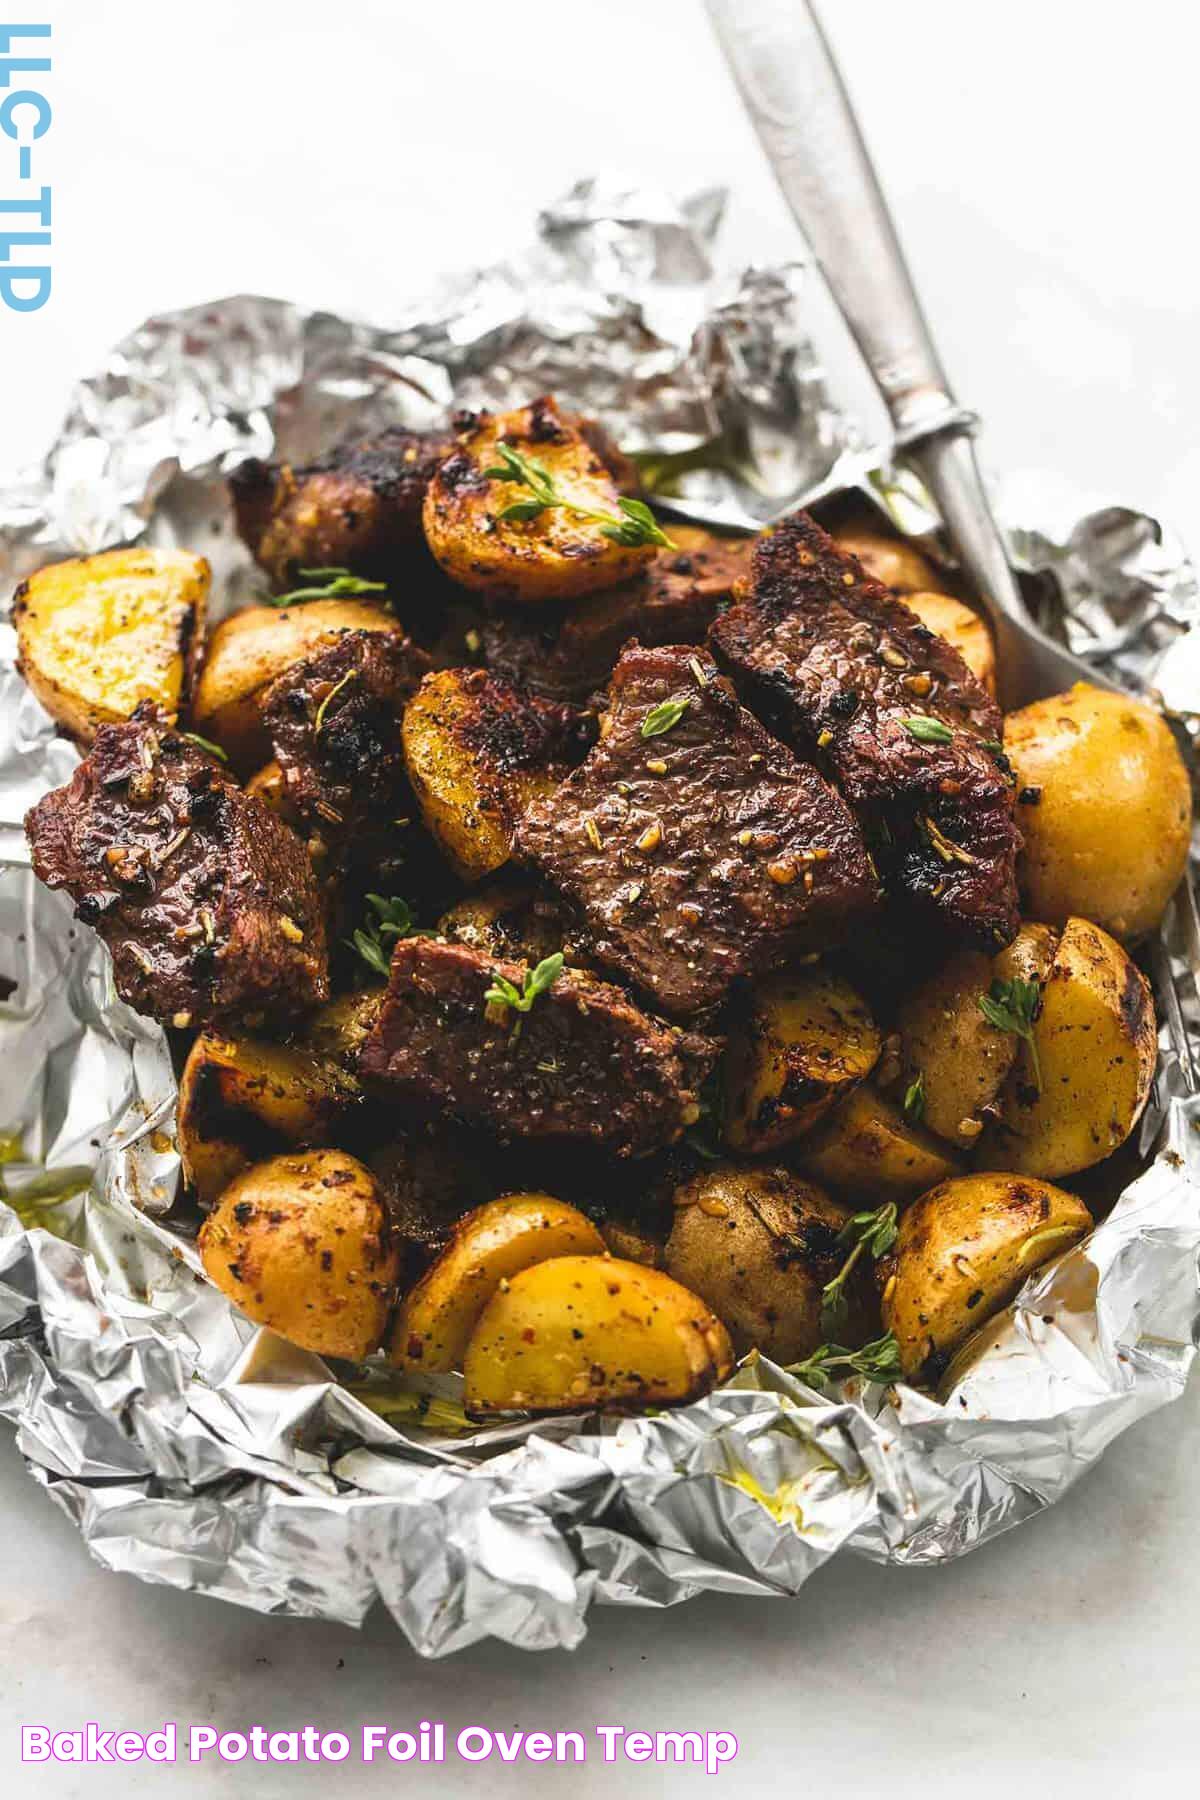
[(195, 1450)]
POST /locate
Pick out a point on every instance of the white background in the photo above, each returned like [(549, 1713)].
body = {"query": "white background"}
[(1041, 157)]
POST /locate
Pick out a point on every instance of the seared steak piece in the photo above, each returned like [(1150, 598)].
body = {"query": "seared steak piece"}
[(334, 722), (206, 900), (358, 507), (844, 671), (584, 1064), (675, 602), (702, 851)]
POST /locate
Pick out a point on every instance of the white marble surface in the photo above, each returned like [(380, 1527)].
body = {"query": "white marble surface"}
[(340, 153)]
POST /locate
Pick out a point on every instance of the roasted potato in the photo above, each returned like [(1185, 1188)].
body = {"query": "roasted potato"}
[(267, 784), (759, 1245), (338, 1031), (98, 634), (583, 1331), (246, 652), (477, 752), (960, 627), (1096, 1048), (555, 555), (1105, 806), (955, 1058), (962, 1252), (490, 1246), (891, 560), (867, 1147), (803, 1039), (241, 1098), (301, 1243), (508, 918)]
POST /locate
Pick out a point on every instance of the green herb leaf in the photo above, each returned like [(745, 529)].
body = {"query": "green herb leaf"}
[(639, 526), (914, 1099), (333, 584), (522, 509), (536, 982), (635, 525), (873, 1232), (662, 717), (203, 743), (1013, 1006), (876, 1361), (928, 731), (393, 919)]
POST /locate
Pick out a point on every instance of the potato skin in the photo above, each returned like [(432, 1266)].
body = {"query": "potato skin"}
[(962, 1060), (591, 1331), (490, 1245), (962, 1252), (246, 652), (891, 560), (1097, 1047), (1105, 806), (866, 1148), (968, 633), (552, 557), (804, 1038), (96, 635), (758, 1245), (301, 1244)]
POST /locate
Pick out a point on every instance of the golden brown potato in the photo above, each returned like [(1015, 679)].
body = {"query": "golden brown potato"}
[(1096, 1048), (957, 1059), (805, 1038), (508, 918), (631, 1241), (246, 652), (338, 1031), (268, 786), (963, 1251), (867, 1148), (477, 752), (99, 634), (1105, 806), (556, 555), (582, 1331), (892, 560), (759, 1245), (301, 1243), (961, 628), (489, 1246), (240, 1098)]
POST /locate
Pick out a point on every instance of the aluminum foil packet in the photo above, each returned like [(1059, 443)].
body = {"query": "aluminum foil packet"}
[(194, 1449)]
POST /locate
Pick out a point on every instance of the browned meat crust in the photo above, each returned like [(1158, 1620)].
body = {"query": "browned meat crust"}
[(586, 1065), (206, 900), (702, 853), (358, 507), (837, 664)]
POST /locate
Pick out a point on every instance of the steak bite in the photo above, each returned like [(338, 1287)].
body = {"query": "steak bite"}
[(844, 671), (358, 507), (695, 847), (206, 900), (571, 655), (583, 1065)]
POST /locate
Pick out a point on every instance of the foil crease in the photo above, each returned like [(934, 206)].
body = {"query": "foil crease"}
[(192, 1448)]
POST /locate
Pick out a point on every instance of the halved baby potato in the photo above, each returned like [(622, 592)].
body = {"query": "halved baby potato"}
[(489, 1246), (964, 630), (962, 1252), (99, 634), (866, 1147), (247, 651), (301, 1243), (585, 1331), (477, 752), (893, 561), (804, 1039), (556, 554)]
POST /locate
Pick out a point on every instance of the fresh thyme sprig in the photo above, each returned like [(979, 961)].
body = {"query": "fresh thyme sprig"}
[(635, 526), (872, 1232), (393, 919), (1013, 1006), (914, 1099), (876, 1361), (664, 716), (335, 584), (536, 982), (927, 731)]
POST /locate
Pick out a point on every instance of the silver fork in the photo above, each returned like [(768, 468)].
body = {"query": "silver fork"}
[(798, 104)]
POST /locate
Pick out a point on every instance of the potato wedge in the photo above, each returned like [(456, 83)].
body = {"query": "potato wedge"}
[(962, 1253), (893, 561), (508, 918), (804, 1039), (965, 630), (759, 1245), (866, 1147), (98, 634), (556, 555), (246, 652), (301, 1243), (960, 1061), (584, 1331), (477, 752), (492, 1244), (1096, 1045), (1105, 806), (241, 1098)]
